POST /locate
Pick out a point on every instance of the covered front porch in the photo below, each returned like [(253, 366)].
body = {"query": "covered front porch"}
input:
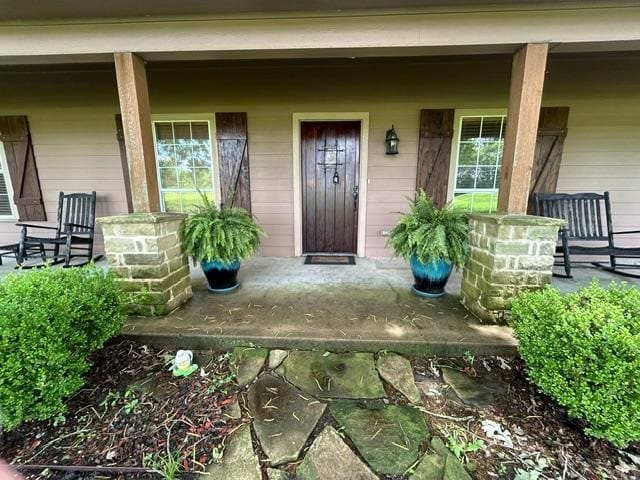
[(283, 303)]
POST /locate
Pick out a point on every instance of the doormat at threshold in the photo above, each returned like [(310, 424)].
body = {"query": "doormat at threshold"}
[(330, 260)]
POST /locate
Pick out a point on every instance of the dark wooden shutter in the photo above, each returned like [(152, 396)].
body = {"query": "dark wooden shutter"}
[(233, 158), (552, 130), (21, 161), (434, 153), (124, 161)]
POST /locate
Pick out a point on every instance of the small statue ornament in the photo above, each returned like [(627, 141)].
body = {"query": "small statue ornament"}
[(183, 364)]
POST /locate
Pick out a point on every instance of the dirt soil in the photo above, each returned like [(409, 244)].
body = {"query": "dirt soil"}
[(117, 420)]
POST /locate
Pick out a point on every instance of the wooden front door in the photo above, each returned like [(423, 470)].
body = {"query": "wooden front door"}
[(330, 186)]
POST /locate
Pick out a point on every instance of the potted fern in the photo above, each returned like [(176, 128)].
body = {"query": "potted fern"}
[(433, 240), (220, 238)]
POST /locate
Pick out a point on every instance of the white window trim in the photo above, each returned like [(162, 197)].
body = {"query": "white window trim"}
[(191, 117), (455, 150), (7, 178)]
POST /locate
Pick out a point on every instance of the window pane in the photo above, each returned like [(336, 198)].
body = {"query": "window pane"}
[(165, 155), (468, 154), (484, 202), (491, 128), (184, 156), (172, 202), (465, 177), (182, 132), (201, 154), (485, 177), (470, 128), (168, 178), (490, 153), (164, 132), (204, 179), (185, 179), (200, 131), (5, 201)]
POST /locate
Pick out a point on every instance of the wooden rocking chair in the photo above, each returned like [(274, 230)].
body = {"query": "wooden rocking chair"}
[(588, 217), (74, 231)]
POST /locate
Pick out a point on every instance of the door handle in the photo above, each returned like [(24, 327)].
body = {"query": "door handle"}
[(356, 194)]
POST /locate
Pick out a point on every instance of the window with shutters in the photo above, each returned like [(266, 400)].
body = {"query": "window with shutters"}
[(185, 163), (7, 208), (480, 141)]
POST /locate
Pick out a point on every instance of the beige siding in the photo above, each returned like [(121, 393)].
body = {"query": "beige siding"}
[(71, 116), (602, 150)]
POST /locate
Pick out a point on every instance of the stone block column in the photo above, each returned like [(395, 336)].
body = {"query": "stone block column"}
[(145, 252), (509, 254)]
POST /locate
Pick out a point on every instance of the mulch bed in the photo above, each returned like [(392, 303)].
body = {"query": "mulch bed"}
[(107, 427), (113, 423), (539, 428)]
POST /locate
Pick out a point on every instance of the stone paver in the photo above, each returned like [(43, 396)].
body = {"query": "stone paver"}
[(276, 357), (439, 447), (397, 370), (233, 411), (247, 363), (453, 469), (333, 375), (330, 458), (388, 438), (283, 419), (468, 389), (240, 462), (431, 467), (275, 474)]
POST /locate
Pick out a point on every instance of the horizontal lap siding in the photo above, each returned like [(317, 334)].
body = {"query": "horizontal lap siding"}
[(71, 118), (602, 149)]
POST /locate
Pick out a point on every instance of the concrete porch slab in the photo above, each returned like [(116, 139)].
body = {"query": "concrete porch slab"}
[(285, 304)]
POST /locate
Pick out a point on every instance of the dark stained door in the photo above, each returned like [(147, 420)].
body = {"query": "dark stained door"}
[(330, 183)]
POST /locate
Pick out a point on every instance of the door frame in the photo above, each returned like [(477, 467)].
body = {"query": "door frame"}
[(298, 118)]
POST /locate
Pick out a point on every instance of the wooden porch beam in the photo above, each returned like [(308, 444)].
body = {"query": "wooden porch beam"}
[(136, 121), (525, 98)]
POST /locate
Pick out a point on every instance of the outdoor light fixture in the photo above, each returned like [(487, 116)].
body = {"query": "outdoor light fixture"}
[(392, 142)]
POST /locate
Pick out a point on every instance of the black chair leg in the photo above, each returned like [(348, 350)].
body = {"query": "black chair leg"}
[(67, 253)]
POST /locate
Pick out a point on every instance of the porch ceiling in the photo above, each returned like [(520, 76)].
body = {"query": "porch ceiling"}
[(38, 10)]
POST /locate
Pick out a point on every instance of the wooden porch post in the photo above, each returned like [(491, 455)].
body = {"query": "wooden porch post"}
[(136, 120), (525, 97)]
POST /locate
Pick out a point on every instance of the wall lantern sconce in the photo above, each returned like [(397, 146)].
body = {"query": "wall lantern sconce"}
[(392, 142)]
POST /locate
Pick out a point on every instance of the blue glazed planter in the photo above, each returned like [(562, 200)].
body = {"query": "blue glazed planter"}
[(430, 278), (222, 277)]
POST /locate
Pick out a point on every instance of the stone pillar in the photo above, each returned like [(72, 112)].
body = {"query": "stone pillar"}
[(145, 252), (509, 254)]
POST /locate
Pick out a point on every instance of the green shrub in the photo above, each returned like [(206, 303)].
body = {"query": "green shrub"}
[(50, 321), (583, 350)]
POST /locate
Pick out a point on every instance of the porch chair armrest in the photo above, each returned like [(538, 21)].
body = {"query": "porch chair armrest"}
[(30, 225), (625, 232), (76, 225)]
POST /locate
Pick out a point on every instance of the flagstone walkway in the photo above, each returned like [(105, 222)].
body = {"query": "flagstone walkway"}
[(331, 416)]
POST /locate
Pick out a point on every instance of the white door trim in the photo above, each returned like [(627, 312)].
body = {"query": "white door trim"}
[(298, 118)]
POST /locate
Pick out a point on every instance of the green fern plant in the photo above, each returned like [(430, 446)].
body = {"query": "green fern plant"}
[(431, 233), (224, 234)]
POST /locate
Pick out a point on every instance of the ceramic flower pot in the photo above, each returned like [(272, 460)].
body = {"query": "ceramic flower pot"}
[(222, 277), (431, 278)]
